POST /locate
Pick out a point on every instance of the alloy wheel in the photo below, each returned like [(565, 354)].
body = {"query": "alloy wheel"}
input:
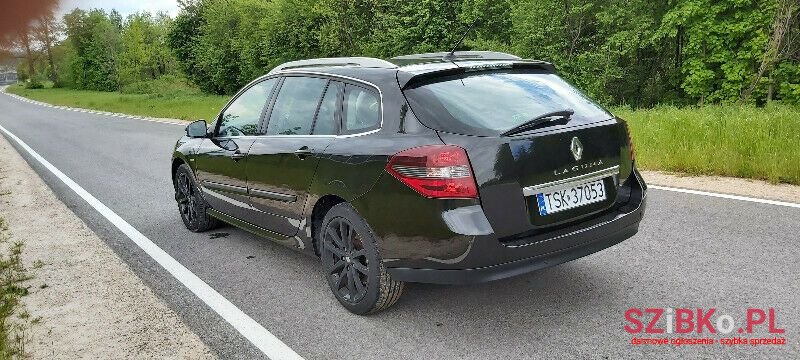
[(345, 260), (186, 198)]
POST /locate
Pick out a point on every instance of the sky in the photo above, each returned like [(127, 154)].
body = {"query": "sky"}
[(125, 7)]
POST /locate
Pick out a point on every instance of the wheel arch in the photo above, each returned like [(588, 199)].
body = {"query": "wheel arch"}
[(177, 161), (320, 209)]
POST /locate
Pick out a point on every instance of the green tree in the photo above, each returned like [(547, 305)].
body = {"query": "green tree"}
[(144, 54), (493, 27), (571, 39), (634, 52), (183, 39), (407, 27), (47, 32), (723, 44), (95, 40)]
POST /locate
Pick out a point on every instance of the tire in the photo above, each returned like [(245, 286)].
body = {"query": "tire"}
[(191, 205), (355, 256)]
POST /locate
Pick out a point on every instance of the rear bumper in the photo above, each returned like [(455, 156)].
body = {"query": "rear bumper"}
[(583, 239)]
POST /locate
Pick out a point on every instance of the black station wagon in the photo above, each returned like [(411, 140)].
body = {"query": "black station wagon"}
[(445, 168)]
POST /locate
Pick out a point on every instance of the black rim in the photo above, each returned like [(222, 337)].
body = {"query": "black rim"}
[(185, 197), (345, 260)]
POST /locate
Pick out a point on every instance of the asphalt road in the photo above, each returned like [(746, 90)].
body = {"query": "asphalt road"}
[(691, 252)]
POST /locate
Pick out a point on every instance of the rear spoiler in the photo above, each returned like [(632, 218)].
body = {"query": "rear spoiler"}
[(406, 79)]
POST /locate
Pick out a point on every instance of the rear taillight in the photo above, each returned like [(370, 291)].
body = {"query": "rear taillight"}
[(435, 171)]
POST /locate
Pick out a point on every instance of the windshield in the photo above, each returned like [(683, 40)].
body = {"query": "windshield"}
[(491, 103)]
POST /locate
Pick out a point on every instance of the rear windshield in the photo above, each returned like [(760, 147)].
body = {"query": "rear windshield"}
[(490, 103)]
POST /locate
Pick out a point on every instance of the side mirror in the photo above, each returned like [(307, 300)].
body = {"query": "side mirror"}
[(197, 129)]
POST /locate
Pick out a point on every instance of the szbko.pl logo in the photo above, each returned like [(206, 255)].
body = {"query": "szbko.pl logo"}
[(697, 326)]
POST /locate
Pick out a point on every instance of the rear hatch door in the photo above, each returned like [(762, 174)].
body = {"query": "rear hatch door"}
[(562, 170)]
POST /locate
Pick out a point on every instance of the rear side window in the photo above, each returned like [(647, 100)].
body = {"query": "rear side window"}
[(362, 110), (326, 122), (244, 113), (491, 103), (295, 106)]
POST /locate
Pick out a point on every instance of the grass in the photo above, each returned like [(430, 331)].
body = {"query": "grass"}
[(184, 105), (725, 140), (15, 320)]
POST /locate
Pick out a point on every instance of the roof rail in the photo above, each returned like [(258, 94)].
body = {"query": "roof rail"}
[(340, 61), (458, 55)]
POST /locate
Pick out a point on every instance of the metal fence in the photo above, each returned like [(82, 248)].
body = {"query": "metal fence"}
[(8, 78)]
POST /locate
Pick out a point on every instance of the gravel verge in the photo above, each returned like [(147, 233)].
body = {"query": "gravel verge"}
[(725, 185), (91, 304)]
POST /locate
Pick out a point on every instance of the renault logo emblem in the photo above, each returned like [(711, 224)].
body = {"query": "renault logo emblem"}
[(577, 149)]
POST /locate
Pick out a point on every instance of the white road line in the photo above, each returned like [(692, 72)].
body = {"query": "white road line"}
[(726, 196), (244, 324)]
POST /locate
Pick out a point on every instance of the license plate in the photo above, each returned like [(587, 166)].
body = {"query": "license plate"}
[(571, 197)]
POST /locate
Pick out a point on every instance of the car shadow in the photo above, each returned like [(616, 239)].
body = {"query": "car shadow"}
[(563, 288)]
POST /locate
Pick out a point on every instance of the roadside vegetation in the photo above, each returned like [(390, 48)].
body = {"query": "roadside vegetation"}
[(710, 87), (168, 97), (633, 52), (726, 140), (15, 321)]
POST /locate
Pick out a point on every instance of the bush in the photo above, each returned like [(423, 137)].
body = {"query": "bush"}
[(61, 83), (34, 84)]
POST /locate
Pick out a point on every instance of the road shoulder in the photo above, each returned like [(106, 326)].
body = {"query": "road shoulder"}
[(725, 185), (91, 303)]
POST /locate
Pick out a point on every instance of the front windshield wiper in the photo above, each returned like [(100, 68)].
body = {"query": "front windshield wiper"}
[(566, 113)]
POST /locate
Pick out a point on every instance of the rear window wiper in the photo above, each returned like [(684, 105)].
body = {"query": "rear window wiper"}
[(566, 113)]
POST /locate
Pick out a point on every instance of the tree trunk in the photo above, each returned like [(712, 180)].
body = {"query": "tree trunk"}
[(48, 45), (26, 43), (679, 48), (783, 17), (770, 89)]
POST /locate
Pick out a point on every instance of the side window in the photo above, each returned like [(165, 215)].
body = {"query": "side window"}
[(362, 110), (244, 113), (326, 122), (293, 112)]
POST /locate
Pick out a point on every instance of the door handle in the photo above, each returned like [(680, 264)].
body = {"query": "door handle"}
[(236, 156), (303, 152)]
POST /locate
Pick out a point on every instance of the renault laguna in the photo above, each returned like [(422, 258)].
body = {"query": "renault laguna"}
[(446, 168)]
